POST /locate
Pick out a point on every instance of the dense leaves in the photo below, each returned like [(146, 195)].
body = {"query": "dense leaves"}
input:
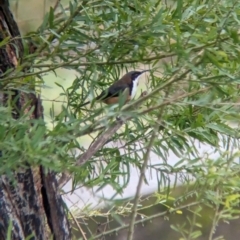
[(192, 48)]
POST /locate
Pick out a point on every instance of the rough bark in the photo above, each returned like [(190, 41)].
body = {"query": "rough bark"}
[(31, 203)]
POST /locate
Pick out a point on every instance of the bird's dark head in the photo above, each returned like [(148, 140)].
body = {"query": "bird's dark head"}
[(134, 75), (132, 79)]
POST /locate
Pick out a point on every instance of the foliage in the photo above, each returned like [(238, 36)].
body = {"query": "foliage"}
[(192, 48)]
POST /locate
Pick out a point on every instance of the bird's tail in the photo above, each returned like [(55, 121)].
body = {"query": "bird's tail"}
[(100, 97), (84, 104)]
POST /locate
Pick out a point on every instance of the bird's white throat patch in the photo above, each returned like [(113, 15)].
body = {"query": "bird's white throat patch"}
[(134, 87)]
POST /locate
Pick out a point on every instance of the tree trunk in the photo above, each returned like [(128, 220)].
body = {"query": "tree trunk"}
[(30, 205)]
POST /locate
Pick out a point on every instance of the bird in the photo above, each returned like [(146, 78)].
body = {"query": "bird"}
[(126, 85)]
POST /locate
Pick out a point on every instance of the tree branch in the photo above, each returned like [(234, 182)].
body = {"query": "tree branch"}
[(99, 142), (142, 173)]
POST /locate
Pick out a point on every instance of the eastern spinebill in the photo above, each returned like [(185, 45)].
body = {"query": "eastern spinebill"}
[(126, 85)]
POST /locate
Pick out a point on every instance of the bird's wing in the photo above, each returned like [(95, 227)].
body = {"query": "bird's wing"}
[(113, 91)]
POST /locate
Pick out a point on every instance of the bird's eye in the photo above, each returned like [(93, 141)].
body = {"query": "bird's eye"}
[(136, 75)]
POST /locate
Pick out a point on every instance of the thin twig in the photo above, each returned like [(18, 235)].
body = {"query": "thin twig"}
[(125, 61), (56, 5), (7, 79), (79, 227), (142, 175), (175, 99), (60, 29), (214, 223), (139, 186), (225, 19), (51, 67), (101, 63), (147, 219)]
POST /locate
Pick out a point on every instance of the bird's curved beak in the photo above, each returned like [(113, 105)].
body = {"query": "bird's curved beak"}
[(145, 71)]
